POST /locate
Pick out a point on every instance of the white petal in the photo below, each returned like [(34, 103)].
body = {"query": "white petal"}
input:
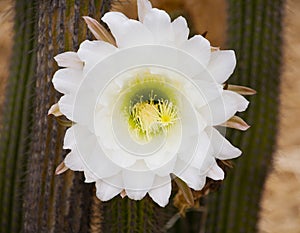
[(198, 47), (106, 191), (204, 93), (127, 32), (85, 141), (86, 146), (220, 110), (73, 162), (144, 6), (92, 52), (136, 194), (159, 23), (138, 178), (69, 139), (161, 191), (216, 173), (199, 153), (207, 164), (66, 106), (122, 158), (138, 182), (190, 175), (89, 176), (99, 164), (222, 147), (222, 64), (180, 30), (69, 59), (163, 160), (67, 80), (79, 105), (164, 168)]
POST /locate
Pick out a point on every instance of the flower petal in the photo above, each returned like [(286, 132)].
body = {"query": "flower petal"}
[(222, 147), (161, 191), (67, 80), (199, 48), (74, 162), (144, 6), (66, 106), (138, 180), (220, 110), (222, 64), (127, 32), (180, 30), (216, 173), (106, 191), (92, 52), (69, 59), (207, 164), (159, 23), (199, 153), (89, 177), (204, 93), (189, 175), (69, 139), (105, 168)]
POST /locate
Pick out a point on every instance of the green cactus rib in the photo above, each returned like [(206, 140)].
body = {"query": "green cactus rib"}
[(15, 125), (255, 28)]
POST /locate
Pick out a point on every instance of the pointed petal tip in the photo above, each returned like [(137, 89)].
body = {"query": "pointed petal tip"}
[(236, 122), (144, 6), (123, 193), (61, 168), (242, 90), (54, 110), (98, 30)]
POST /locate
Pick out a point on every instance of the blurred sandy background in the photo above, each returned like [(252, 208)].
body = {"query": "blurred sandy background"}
[(281, 202)]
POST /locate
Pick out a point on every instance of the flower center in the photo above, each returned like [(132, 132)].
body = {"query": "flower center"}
[(150, 106), (152, 117)]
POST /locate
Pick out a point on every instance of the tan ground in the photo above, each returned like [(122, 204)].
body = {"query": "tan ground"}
[(281, 203)]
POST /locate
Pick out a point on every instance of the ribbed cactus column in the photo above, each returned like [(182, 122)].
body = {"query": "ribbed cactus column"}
[(255, 29), (54, 203), (16, 119)]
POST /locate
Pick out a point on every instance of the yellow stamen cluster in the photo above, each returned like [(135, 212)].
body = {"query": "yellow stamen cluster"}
[(153, 117)]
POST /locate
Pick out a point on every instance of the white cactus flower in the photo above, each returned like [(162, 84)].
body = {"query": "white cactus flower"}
[(146, 107)]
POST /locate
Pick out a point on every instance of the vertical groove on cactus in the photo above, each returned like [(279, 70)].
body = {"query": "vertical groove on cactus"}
[(15, 125), (255, 34)]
